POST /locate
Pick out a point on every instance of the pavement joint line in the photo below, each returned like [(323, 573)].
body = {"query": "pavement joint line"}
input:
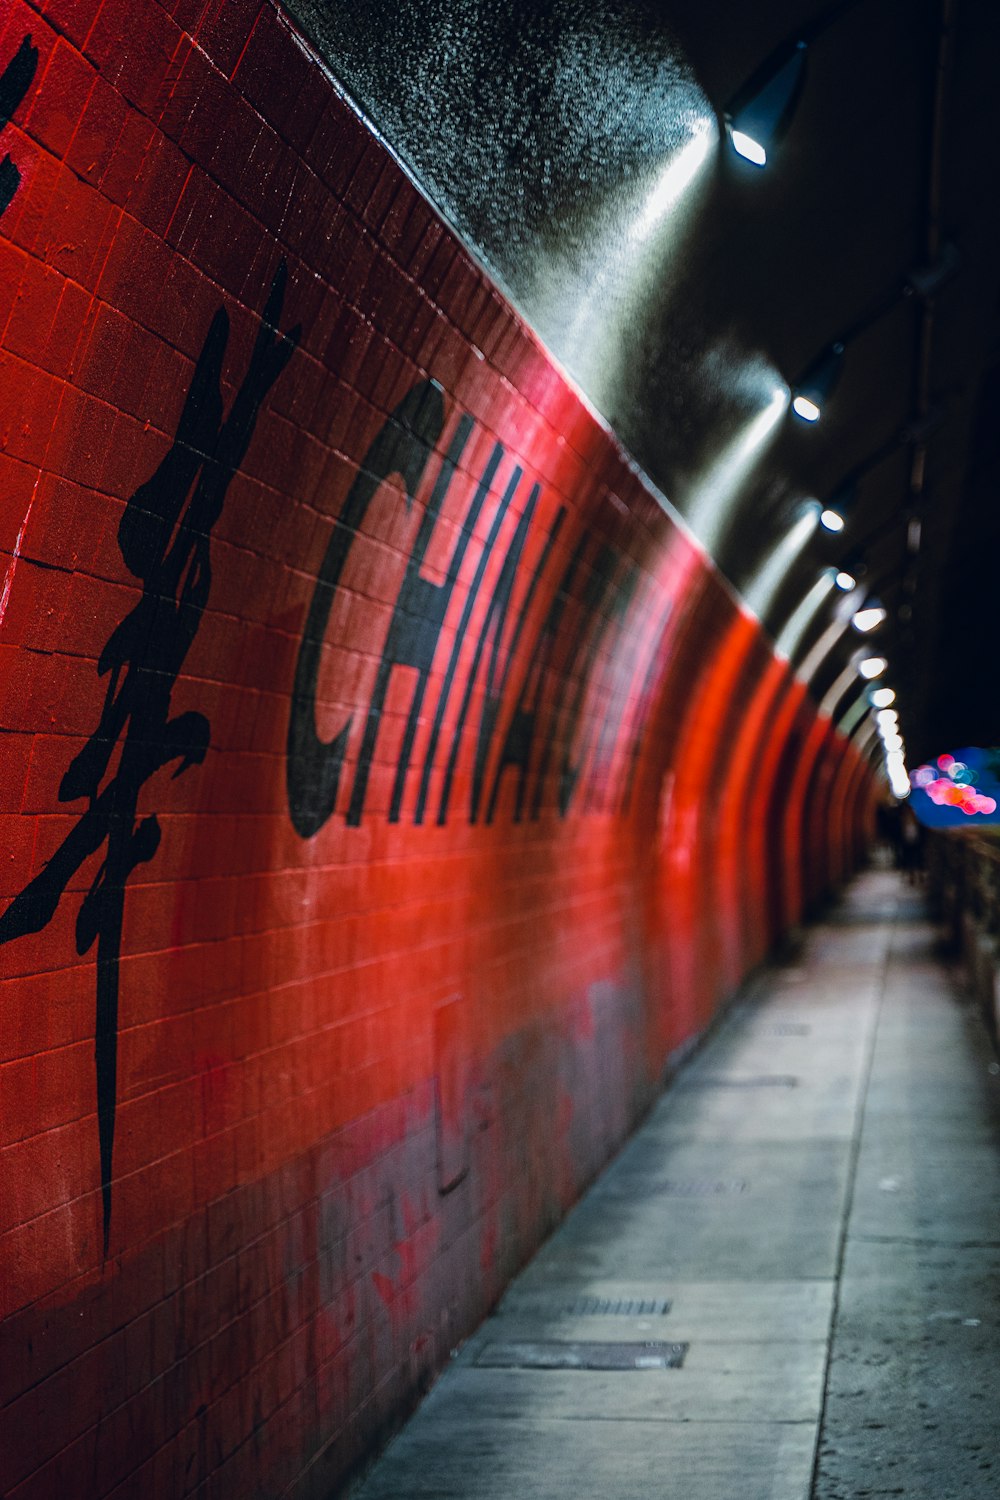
[(848, 1206), (638, 1420), (902, 1239)]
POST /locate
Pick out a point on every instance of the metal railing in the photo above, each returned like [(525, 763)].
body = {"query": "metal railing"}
[(963, 892)]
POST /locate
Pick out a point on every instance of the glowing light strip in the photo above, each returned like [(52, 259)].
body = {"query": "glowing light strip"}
[(852, 718), (799, 620), (676, 177), (712, 501), (834, 694), (821, 650), (761, 589)]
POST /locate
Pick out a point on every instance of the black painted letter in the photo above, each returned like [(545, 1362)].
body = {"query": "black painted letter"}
[(403, 446)]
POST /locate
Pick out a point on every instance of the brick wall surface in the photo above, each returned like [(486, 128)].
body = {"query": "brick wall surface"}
[(388, 785)]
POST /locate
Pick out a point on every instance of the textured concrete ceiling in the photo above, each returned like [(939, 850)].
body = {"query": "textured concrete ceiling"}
[(578, 145)]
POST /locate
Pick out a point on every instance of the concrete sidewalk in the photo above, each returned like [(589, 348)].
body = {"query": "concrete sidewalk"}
[(808, 1226)]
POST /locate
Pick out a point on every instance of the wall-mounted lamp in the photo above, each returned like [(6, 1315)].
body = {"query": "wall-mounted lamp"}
[(849, 571), (869, 616), (814, 388), (837, 509), (761, 112)]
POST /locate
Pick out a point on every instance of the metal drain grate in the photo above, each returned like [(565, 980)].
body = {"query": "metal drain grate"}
[(670, 1187), (699, 1189), (765, 1081), (617, 1307), (582, 1356), (591, 1307)]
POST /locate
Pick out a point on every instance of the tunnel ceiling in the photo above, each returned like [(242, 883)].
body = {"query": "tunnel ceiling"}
[(580, 147)]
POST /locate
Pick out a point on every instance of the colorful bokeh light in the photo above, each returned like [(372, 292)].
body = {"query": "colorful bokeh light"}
[(955, 788)]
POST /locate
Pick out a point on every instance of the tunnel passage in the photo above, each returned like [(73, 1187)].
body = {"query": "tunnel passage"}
[(391, 786)]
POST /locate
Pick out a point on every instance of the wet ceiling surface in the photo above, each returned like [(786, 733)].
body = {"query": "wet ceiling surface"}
[(580, 147)]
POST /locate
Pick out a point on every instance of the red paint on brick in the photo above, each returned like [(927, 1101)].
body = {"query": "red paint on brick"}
[(359, 1071)]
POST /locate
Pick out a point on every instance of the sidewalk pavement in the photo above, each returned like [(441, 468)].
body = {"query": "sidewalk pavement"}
[(787, 1285)]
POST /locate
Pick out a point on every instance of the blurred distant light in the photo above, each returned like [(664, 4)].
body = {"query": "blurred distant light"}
[(886, 718), (895, 765), (844, 581), (872, 666), (807, 410), (892, 741), (966, 786), (745, 145), (868, 618), (832, 520), (882, 697)]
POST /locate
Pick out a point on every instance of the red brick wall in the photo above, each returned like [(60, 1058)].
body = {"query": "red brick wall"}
[(388, 786)]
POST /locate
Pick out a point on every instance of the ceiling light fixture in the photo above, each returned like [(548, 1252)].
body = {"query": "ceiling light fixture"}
[(762, 111), (817, 384), (744, 145), (869, 617), (815, 387), (838, 508)]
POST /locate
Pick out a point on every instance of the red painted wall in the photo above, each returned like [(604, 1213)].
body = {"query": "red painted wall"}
[(388, 786)]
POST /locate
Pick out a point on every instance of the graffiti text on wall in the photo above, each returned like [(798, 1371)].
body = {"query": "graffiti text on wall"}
[(164, 538), (554, 728)]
